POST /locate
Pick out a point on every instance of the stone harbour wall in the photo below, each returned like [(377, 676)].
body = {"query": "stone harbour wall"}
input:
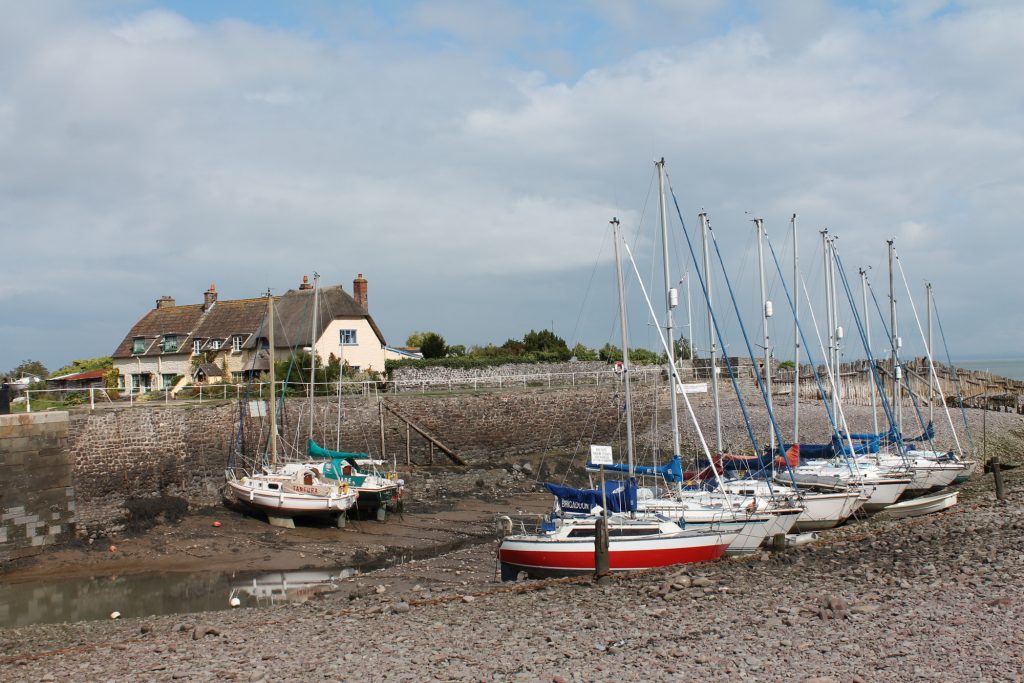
[(179, 450), (182, 450), (37, 502)]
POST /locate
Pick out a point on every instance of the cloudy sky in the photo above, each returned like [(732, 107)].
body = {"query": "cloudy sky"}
[(466, 157)]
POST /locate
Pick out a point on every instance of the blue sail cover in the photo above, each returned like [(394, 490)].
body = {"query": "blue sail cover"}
[(621, 497), (671, 472)]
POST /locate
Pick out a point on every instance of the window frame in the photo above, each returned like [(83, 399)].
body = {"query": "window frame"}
[(348, 337)]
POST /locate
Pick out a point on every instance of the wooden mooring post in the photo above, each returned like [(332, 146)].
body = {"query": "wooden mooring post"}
[(997, 475)]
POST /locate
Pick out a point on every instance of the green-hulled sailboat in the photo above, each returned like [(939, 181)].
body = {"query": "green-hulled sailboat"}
[(378, 492)]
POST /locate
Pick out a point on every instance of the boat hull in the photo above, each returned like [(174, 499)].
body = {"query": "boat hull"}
[(542, 558), (281, 503), (917, 507), (826, 510)]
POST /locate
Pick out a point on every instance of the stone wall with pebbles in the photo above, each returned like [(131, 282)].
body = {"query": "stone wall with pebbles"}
[(37, 503)]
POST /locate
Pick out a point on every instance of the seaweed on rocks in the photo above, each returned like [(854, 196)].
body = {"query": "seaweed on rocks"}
[(145, 513)]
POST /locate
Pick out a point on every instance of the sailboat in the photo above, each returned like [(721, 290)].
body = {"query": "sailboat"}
[(376, 493), (284, 491), (564, 545)]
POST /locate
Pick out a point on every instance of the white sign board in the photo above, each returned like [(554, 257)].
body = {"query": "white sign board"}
[(698, 388), (601, 455), (257, 408)]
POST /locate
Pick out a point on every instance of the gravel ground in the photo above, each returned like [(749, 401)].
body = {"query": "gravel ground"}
[(928, 599)]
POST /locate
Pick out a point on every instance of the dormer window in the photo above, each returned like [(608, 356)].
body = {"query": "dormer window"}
[(262, 343), (139, 345), (197, 346), (215, 344), (170, 343), (236, 343)]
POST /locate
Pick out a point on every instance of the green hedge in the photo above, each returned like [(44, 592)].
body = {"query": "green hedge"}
[(470, 362)]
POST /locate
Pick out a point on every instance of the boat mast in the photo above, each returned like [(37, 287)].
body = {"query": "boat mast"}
[(894, 343), (931, 383), (871, 359), (766, 312), (625, 345), (312, 351), (711, 335), (273, 389), (828, 308), (796, 334), (671, 301)]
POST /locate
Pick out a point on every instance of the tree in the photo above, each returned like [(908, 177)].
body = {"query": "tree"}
[(609, 353), (29, 367), (645, 357), (85, 365), (683, 350), (581, 352), (433, 346), (457, 350), (546, 344), (415, 340), (514, 347)]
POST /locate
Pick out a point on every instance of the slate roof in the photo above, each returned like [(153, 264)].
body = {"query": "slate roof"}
[(247, 317), (210, 370)]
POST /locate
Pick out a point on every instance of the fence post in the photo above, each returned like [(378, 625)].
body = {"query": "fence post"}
[(225, 392), (28, 400), (167, 395), (92, 398)]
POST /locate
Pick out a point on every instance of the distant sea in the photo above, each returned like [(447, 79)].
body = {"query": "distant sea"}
[(1006, 367)]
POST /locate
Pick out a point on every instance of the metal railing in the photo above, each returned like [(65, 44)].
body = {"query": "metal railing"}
[(93, 397)]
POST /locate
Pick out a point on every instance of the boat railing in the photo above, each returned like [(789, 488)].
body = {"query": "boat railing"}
[(509, 525)]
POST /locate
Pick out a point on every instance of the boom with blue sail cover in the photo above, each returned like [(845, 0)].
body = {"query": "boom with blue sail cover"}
[(671, 472), (620, 496)]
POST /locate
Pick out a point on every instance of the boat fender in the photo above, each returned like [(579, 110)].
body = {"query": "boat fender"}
[(503, 526)]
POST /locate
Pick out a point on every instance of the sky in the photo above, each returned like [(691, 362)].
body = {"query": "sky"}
[(467, 157)]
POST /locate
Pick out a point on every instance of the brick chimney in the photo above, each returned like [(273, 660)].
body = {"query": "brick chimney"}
[(359, 291), (209, 297), (165, 302), (305, 283)]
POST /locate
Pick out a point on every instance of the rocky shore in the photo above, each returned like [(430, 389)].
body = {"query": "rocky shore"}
[(928, 599)]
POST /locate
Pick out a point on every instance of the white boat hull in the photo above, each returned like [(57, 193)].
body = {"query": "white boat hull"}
[(256, 492), (916, 507)]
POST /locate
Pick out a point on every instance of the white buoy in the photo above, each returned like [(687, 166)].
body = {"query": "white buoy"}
[(235, 602), (115, 615)]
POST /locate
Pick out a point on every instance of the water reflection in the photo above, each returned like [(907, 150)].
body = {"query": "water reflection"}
[(277, 587), (143, 595)]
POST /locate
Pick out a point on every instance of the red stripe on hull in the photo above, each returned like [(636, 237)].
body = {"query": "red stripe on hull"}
[(618, 559)]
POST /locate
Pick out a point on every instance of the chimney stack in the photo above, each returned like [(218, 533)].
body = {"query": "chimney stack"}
[(209, 297), (305, 283), (165, 302), (359, 292)]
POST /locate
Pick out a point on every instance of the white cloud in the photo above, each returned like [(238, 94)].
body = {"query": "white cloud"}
[(174, 153)]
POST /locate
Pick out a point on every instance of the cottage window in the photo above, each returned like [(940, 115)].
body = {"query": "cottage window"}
[(139, 345), (215, 344), (236, 343), (170, 343), (168, 381), (196, 347), (348, 337)]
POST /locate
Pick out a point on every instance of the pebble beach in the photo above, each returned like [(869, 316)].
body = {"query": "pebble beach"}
[(933, 598)]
